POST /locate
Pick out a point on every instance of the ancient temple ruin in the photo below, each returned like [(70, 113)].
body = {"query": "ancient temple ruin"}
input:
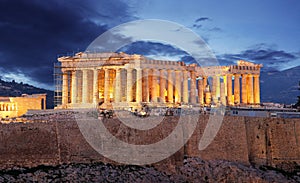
[(122, 80), (17, 106)]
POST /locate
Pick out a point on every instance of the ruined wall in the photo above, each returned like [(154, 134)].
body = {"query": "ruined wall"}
[(273, 141), (260, 141), (28, 144), (25, 103), (230, 142)]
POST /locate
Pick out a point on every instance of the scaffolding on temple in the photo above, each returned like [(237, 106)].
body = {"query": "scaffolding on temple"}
[(58, 78), (57, 84)]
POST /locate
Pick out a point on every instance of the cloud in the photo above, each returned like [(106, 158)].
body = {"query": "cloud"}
[(271, 58), (215, 29), (154, 50), (196, 25), (161, 51), (202, 19), (268, 55), (33, 33), (207, 29)]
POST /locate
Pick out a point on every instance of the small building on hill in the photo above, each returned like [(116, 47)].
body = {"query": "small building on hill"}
[(17, 106)]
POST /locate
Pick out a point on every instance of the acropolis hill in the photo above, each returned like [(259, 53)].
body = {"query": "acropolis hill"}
[(55, 139), (102, 80)]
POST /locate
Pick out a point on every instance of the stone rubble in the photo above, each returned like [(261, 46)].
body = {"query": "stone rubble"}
[(192, 170)]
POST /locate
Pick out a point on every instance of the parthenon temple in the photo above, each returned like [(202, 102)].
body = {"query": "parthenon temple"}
[(122, 80)]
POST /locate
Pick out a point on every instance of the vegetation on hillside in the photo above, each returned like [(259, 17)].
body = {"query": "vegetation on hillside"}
[(14, 89)]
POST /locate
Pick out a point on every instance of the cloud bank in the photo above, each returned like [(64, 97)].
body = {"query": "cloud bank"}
[(33, 33)]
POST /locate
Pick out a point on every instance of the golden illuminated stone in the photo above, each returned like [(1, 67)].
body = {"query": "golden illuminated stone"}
[(90, 79)]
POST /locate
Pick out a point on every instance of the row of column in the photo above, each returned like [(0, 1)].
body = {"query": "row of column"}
[(8, 107), (153, 85), (149, 86), (244, 90), (249, 85)]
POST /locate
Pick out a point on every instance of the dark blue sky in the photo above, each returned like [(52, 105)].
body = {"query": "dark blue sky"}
[(33, 33)]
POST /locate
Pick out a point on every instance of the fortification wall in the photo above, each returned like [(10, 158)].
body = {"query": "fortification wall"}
[(259, 141), (273, 141), (229, 144)]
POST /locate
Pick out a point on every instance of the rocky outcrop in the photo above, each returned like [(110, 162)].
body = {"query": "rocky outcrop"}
[(193, 170)]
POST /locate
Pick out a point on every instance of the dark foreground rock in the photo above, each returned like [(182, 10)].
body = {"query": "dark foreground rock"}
[(193, 170)]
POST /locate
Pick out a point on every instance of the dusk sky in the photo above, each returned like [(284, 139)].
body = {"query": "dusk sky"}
[(33, 33)]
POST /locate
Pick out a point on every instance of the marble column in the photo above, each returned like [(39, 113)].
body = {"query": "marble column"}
[(222, 94), (218, 85), (225, 84), (250, 89), (79, 86), (200, 92), (154, 86), (204, 78), (106, 85), (146, 83), (185, 87), (95, 87), (65, 87), (244, 89), (74, 87), (215, 89), (85, 86), (129, 85), (162, 85), (256, 90), (118, 86), (193, 88), (178, 87), (237, 88), (139, 85), (229, 90), (170, 86)]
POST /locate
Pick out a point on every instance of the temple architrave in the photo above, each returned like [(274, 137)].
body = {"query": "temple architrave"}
[(122, 80)]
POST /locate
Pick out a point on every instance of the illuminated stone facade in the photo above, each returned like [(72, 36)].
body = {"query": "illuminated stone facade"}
[(123, 80), (17, 106)]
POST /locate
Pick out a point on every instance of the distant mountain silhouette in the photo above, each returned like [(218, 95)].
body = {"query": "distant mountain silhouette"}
[(14, 89), (280, 86)]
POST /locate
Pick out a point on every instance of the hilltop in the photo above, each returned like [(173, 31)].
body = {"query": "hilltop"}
[(280, 86), (14, 89)]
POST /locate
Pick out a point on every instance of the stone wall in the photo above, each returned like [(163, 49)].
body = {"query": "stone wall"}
[(273, 141), (229, 144), (17, 106), (259, 141), (31, 102), (4, 114)]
